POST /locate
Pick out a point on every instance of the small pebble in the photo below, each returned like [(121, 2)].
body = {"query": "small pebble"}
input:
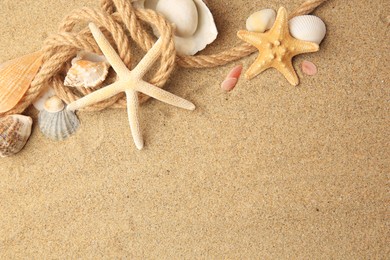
[(232, 78), (309, 68)]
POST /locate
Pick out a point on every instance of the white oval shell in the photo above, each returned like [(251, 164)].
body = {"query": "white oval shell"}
[(261, 21), (14, 133), (58, 126), (307, 28), (205, 33)]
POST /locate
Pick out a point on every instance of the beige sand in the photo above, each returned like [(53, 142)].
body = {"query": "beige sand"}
[(266, 171)]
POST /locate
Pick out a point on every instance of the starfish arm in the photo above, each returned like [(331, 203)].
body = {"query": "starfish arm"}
[(132, 113), (305, 47), (96, 96), (256, 68), (164, 96), (288, 72), (108, 51), (250, 37), (147, 61), (281, 22)]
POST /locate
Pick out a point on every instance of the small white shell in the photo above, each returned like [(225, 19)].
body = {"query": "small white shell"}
[(88, 70), (40, 102), (54, 105), (14, 133), (307, 28), (182, 14), (57, 124), (261, 21)]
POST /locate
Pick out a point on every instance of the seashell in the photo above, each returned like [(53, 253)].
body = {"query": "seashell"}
[(14, 133), (309, 68), (232, 78), (261, 21), (40, 102), (307, 28), (15, 78), (88, 70), (55, 122), (195, 26)]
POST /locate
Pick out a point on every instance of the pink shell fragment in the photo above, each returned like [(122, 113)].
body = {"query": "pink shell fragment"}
[(309, 68), (232, 78)]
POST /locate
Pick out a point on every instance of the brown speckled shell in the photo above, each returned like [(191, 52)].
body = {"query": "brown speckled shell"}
[(14, 133)]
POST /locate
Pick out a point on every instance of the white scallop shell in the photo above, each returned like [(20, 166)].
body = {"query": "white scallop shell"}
[(57, 125), (182, 13), (307, 28), (261, 21), (88, 70), (14, 133)]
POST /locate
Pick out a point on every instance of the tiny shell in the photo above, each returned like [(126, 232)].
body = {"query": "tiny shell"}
[(14, 133), (307, 28), (261, 21), (54, 105), (232, 78), (15, 78), (55, 122), (88, 70), (309, 68), (40, 102)]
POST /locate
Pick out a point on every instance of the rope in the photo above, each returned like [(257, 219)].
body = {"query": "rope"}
[(123, 25)]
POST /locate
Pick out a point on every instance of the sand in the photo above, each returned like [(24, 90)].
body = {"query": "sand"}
[(268, 171)]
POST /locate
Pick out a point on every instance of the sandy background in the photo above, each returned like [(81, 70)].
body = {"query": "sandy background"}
[(266, 171)]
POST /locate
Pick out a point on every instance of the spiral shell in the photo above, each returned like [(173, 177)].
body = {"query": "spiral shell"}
[(308, 28), (15, 78), (55, 122), (14, 133)]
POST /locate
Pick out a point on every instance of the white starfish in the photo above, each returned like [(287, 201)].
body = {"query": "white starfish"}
[(129, 82)]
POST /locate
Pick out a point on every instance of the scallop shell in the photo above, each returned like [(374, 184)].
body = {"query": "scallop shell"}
[(307, 28), (261, 21), (55, 122), (88, 70), (15, 78), (14, 133), (195, 26)]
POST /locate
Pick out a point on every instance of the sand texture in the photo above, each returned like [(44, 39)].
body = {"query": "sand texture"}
[(268, 171)]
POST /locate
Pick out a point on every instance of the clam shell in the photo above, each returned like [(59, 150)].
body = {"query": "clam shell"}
[(57, 125), (182, 14), (14, 133), (15, 78), (88, 70), (261, 20), (307, 28)]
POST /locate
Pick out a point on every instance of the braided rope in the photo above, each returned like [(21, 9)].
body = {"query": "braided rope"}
[(120, 22)]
